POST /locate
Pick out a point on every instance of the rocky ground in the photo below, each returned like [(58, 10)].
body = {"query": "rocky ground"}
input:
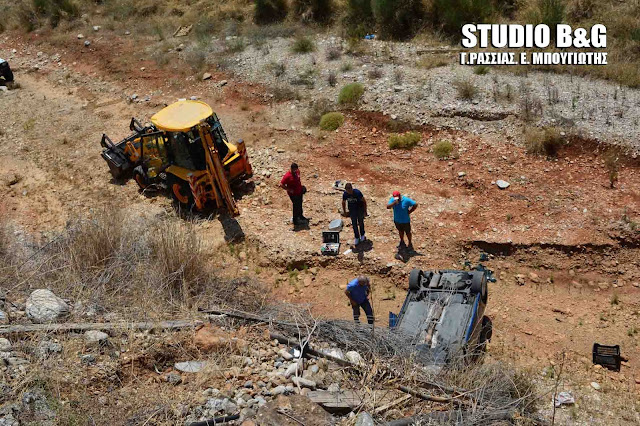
[(563, 247)]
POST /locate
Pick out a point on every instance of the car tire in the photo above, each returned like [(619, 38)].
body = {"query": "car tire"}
[(415, 279), (487, 330), (141, 178), (479, 285)]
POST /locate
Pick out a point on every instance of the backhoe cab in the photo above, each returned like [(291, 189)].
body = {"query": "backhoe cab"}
[(185, 151)]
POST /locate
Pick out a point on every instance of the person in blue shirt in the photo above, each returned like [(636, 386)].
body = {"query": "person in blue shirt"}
[(354, 199), (402, 208), (358, 291)]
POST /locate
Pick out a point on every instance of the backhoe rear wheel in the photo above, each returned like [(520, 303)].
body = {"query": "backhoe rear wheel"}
[(180, 192)]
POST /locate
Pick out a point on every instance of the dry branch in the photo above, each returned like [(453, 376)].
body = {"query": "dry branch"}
[(106, 326)]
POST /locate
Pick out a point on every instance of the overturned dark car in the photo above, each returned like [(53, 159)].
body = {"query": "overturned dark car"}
[(443, 316), (6, 75)]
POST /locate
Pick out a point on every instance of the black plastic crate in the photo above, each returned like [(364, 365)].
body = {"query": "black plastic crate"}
[(607, 356)]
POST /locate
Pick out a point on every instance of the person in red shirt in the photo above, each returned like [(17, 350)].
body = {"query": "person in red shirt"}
[(291, 182)]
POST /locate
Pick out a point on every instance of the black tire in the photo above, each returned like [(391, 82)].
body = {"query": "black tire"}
[(180, 191), (487, 330), (141, 178), (479, 285), (415, 279)]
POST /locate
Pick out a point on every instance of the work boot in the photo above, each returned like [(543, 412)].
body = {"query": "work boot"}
[(401, 245), (356, 241), (410, 248), (363, 239)]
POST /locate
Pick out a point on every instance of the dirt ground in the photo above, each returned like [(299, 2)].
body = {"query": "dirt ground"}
[(567, 273)]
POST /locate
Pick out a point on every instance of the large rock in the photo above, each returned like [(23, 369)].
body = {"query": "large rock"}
[(5, 345), (364, 419), (96, 336), (44, 306)]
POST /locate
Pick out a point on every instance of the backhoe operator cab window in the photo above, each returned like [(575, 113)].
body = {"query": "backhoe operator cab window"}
[(187, 151)]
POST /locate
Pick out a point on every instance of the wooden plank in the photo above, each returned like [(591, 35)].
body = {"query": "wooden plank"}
[(106, 326), (336, 401)]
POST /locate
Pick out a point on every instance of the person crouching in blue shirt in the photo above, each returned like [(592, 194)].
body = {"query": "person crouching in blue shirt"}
[(358, 291), (354, 199)]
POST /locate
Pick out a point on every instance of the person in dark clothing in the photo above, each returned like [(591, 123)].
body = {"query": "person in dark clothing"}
[(358, 291), (354, 199), (291, 182)]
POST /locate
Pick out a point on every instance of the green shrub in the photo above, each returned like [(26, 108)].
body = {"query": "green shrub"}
[(351, 94), (331, 121), (359, 18), (269, 11), (398, 19), (443, 149), (547, 141), (313, 10), (405, 141), (316, 110), (551, 13), (481, 70), (450, 15), (303, 45)]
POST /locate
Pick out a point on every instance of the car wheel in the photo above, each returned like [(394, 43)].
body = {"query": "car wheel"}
[(415, 279), (479, 285), (487, 330)]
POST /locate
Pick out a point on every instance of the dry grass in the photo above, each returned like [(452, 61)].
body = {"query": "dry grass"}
[(466, 89), (443, 149), (404, 141), (546, 141), (134, 264)]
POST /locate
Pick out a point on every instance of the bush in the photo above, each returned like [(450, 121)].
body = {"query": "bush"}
[(443, 149), (270, 11), (351, 94), (303, 45), (547, 141), (333, 53), (331, 121), (551, 13), (451, 15), (481, 70), (313, 10), (317, 109), (359, 18), (466, 89), (404, 141), (375, 73), (398, 19)]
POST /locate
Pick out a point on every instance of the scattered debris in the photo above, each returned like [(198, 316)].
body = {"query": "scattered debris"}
[(502, 184), (595, 385), (564, 398), (190, 366), (183, 31), (206, 76)]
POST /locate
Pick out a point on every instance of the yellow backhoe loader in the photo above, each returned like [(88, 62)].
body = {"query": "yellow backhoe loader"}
[(185, 151)]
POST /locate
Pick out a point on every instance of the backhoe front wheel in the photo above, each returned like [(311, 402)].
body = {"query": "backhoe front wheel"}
[(141, 177), (180, 192)]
